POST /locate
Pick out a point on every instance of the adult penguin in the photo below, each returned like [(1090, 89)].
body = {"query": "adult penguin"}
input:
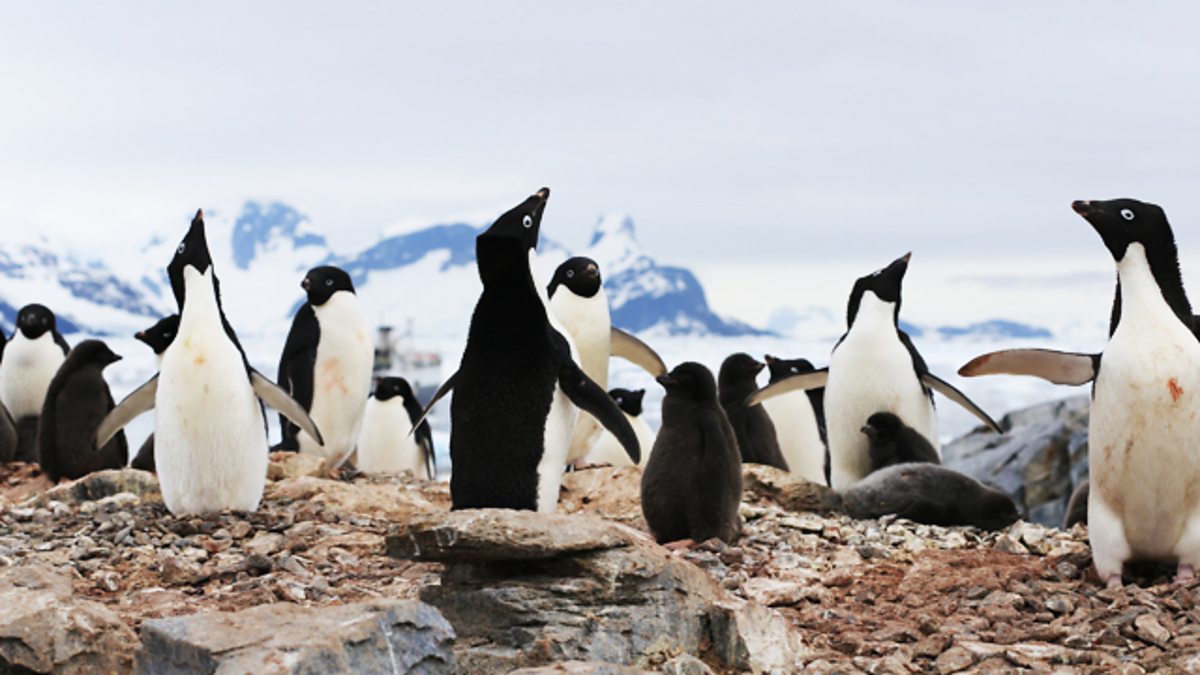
[(799, 419), (157, 337), (31, 358), (394, 437), (210, 441), (77, 400), (1145, 412), (519, 387), (874, 367), (606, 450), (326, 366)]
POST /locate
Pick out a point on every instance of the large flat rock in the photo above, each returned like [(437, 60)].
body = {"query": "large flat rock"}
[(381, 636)]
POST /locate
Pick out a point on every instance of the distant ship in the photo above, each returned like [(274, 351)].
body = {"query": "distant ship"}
[(398, 354)]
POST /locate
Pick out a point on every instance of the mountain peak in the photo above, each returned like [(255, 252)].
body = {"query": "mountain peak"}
[(613, 224), (257, 226)]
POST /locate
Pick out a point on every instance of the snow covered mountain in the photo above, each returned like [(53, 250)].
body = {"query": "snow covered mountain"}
[(825, 323)]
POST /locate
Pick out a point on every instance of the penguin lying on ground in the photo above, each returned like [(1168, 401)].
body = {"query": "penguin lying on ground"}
[(799, 419), (894, 442), (210, 441), (388, 443), (1145, 413), (751, 424), (607, 450), (158, 337), (31, 358), (77, 400), (692, 485), (874, 367), (930, 494)]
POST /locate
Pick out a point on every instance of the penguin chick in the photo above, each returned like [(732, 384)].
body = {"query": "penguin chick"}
[(751, 424), (894, 442), (76, 401)]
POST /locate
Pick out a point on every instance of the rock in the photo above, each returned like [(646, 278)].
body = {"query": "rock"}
[(613, 493), (1149, 629), (489, 535), (283, 465), (790, 492), (953, 660), (101, 484), (45, 628), (379, 636), (685, 664), (774, 592), (1037, 461), (392, 501), (579, 668)]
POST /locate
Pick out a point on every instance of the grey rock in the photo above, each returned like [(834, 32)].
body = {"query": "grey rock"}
[(44, 628), (380, 636), (685, 664), (579, 668), (489, 535)]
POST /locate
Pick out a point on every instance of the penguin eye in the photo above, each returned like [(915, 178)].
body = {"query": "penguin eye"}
[(181, 248), (795, 369), (527, 222), (329, 282), (570, 273), (1127, 214)]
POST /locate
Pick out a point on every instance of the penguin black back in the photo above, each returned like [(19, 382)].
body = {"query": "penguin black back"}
[(751, 425), (930, 494), (692, 484), (76, 402), (894, 442)]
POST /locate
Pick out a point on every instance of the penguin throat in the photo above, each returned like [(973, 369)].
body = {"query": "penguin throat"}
[(874, 314), (1142, 292)]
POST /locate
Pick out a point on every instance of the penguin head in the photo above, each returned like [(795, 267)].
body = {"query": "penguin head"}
[(740, 367), (34, 321), (628, 401), (1121, 222), (387, 388), (504, 247), (159, 336), (882, 425), (581, 275), (690, 380), (884, 284), (784, 368), (93, 352), (995, 509), (191, 252), (322, 282)]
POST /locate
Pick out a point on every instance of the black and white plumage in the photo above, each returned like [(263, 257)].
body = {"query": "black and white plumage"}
[(8, 436), (210, 445), (606, 449), (157, 337), (77, 400), (751, 424), (31, 358), (692, 485), (519, 387), (894, 442), (799, 419), (930, 494), (389, 443), (326, 365)]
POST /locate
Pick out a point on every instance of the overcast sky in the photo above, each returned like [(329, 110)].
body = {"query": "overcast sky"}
[(736, 134)]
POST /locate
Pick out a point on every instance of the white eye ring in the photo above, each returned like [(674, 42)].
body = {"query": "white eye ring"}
[(181, 248), (1127, 214), (329, 282), (570, 274), (795, 369), (527, 222)]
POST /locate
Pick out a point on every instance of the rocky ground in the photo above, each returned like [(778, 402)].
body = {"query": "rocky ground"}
[(327, 575)]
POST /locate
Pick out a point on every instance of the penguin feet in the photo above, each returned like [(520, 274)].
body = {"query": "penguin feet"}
[(1185, 574), (1114, 581)]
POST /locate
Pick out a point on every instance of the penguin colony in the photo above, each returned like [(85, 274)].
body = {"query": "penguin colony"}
[(530, 400)]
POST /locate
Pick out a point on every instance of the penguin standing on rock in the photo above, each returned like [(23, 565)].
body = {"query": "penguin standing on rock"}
[(606, 450), (799, 419), (326, 366), (1142, 504), (157, 337), (389, 443), (874, 367), (751, 424), (210, 441), (519, 386), (692, 485), (31, 358), (76, 401)]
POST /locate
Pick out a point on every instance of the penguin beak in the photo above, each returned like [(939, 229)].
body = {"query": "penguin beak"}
[(868, 430), (905, 258), (305, 284), (769, 359), (666, 381), (758, 366), (1082, 207)]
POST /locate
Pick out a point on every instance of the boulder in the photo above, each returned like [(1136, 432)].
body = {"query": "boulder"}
[(766, 483), (379, 636), (526, 590), (612, 492), (44, 628), (392, 499), (101, 484), (1038, 461)]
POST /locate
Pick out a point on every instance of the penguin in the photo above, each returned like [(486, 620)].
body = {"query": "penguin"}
[(874, 367), (799, 419), (751, 424), (930, 494), (894, 442), (388, 443), (8, 436), (519, 387), (1145, 398), (606, 450), (31, 358), (692, 485), (326, 365), (579, 303), (158, 337), (1077, 506), (77, 400), (210, 437)]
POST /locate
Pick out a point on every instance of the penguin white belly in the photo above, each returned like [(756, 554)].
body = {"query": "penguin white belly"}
[(798, 435), (589, 325), (385, 445), (210, 443), (341, 378), (1143, 431), (26, 371), (608, 450), (560, 423), (869, 372)]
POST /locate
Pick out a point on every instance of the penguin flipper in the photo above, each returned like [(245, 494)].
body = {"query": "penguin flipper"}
[(425, 440), (949, 391), (437, 396), (593, 400), (62, 344), (139, 401), (1050, 365), (800, 382), (637, 352), (274, 396)]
